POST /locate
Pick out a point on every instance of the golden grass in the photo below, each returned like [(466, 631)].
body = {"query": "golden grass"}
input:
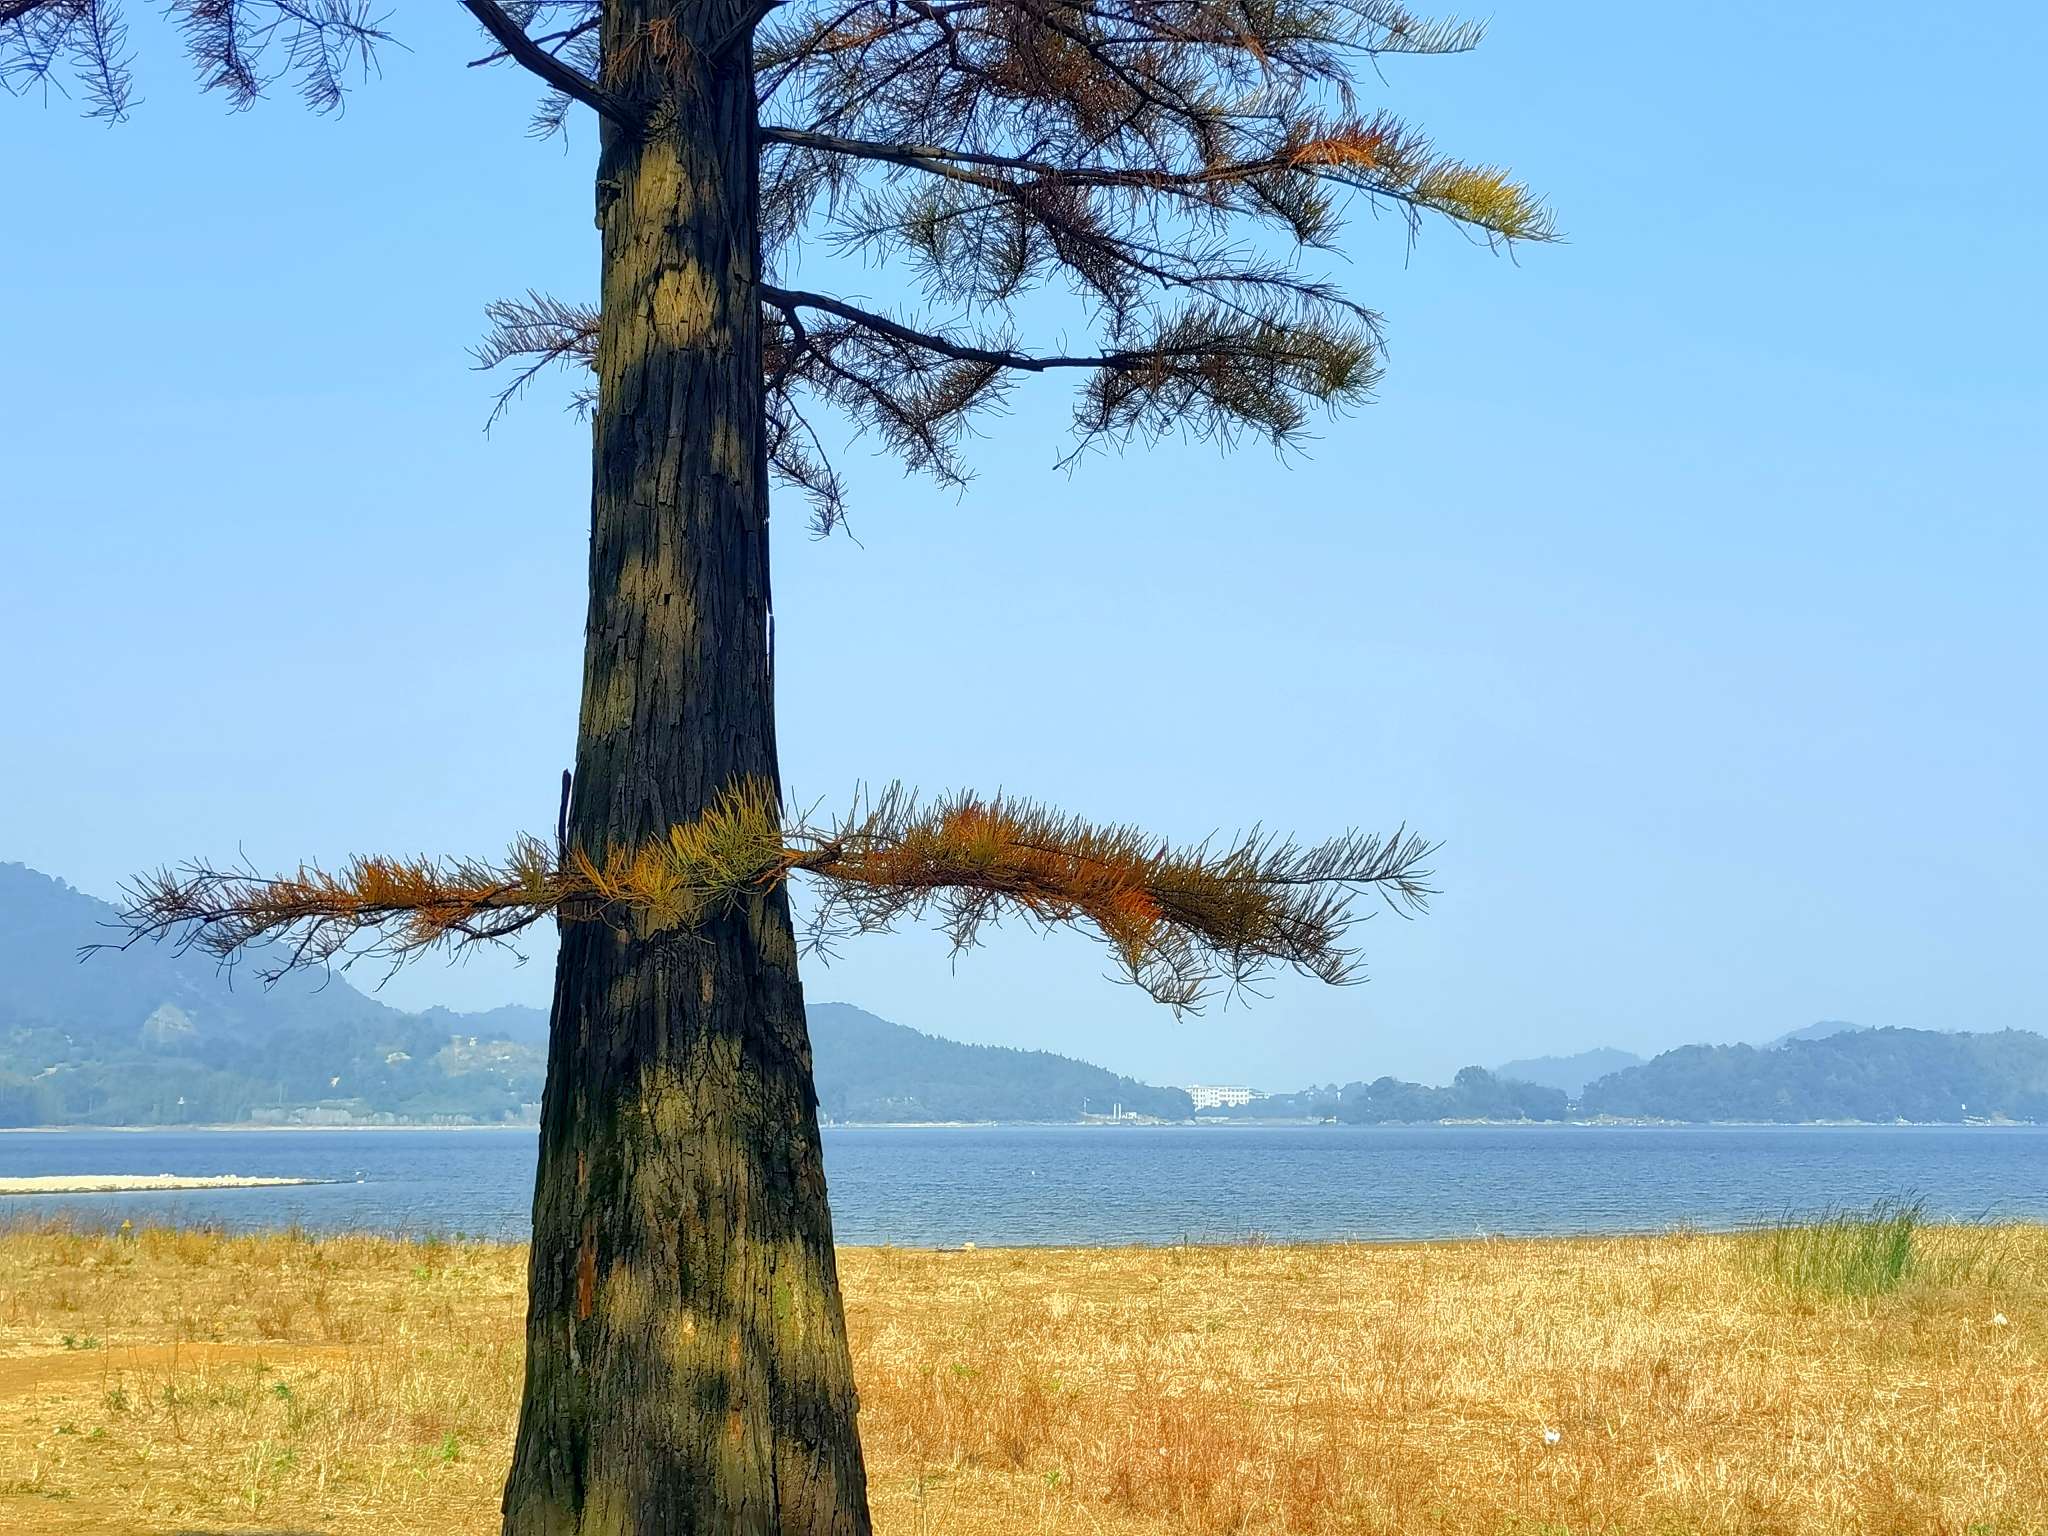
[(184, 1381)]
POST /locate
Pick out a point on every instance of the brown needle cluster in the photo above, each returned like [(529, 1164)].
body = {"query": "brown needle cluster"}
[(1179, 920)]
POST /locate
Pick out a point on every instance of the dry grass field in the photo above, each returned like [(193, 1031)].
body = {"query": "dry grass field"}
[(1886, 1383)]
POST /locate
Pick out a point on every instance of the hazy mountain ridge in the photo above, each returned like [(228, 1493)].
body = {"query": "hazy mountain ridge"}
[(1830, 1071), (871, 1070), (1474, 1094), (1826, 1029), (1920, 1075), (153, 1036), (1569, 1074), (509, 1021)]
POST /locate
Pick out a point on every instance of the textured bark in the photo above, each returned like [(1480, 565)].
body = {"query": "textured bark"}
[(687, 1366)]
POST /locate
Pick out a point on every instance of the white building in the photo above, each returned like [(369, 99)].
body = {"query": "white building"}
[(1214, 1096)]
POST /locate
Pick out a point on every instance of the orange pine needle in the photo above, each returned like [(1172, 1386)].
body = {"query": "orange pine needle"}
[(1179, 920)]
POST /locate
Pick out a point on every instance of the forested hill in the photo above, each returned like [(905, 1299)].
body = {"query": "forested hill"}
[(1569, 1074), (149, 1036), (1860, 1074), (871, 1070), (153, 1037)]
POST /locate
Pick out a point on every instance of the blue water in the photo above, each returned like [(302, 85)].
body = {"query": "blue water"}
[(1058, 1184)]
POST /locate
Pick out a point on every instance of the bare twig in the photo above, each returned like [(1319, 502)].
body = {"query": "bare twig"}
[(525, 50)]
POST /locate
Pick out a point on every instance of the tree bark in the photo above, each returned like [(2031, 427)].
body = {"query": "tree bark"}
[(687, 1367)]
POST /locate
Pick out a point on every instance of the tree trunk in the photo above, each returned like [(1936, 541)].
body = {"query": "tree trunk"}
[(687, 1367)]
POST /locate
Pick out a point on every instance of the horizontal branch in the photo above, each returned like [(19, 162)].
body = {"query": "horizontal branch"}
[(932, 157), (570, 82), (1177, 919), (1467, 194), (788, 300)]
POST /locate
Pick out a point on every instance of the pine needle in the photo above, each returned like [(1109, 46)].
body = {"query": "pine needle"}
[(1179, 920)]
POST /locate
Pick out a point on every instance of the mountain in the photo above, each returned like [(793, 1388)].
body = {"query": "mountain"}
[(512, 1021), (153, 1036), (1474, 1094), (869, 1069), (1859, 1074), (1570, 1074), (1826, 1029)]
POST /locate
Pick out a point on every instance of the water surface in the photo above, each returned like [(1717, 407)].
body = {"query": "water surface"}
[(941, 1186)]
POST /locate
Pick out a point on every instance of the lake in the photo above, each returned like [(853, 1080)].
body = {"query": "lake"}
[(941, 1186)]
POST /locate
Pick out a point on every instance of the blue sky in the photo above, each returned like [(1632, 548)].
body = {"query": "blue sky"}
[(1685, 579)]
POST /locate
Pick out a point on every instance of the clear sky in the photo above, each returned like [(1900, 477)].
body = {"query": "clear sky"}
[(1686, 579)]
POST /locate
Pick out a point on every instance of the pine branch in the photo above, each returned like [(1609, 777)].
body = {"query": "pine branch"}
[(536, 332), (1379, 159), (36, 36), (1179, 920), (1212, 371), (789, 300), (554, 41), (1166, 163), (241, 47), (536, 59)]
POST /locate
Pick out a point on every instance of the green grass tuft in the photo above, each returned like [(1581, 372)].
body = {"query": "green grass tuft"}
[(1846, 1253)]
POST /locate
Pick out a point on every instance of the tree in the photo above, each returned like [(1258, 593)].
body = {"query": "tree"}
[(1161, 165)]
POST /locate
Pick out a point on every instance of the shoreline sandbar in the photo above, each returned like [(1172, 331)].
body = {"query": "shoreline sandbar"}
[(135, 1183)]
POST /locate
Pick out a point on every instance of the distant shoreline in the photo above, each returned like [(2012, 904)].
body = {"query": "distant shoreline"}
[(255, 1125), (1601, 1124)]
